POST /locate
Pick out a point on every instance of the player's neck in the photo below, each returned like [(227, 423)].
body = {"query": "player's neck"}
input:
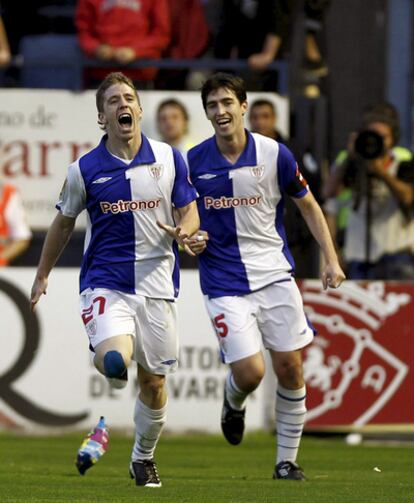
[(126, 149), (232, 147)]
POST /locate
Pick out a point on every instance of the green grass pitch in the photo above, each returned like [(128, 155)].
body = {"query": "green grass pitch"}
[(203, 468)]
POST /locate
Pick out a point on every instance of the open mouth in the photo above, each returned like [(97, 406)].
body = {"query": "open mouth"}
[(125, 119)]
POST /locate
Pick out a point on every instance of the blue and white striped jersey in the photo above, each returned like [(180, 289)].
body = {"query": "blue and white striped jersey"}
[(241, 207), (124, 249)]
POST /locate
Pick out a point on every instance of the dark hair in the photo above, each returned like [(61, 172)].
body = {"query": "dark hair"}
[(110, 80), (386, 113), (262, 102), (172, 102), (226, 80)]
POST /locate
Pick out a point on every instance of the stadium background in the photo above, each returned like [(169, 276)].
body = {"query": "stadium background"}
[(369, 48)]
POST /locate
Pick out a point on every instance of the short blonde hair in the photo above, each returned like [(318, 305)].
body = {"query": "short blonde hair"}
[(110, 80)]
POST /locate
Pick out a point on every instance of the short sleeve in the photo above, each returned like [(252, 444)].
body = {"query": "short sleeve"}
[(183, 190), (290, 178), (72, 198)]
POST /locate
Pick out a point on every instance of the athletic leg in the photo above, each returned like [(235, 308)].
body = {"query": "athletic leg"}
[(285, 332), (112, 358), (244, 376), (149, 417), (156, 353), (290, 412)]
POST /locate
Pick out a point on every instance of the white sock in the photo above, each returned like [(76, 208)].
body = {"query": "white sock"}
[(148, 426), (235, 396), (290, 418)]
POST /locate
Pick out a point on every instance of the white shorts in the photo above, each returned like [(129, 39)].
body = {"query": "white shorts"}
[(152, 323), (272, 316)]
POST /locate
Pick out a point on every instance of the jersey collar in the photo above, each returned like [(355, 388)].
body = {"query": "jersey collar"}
[(145, 155), (247, 158)]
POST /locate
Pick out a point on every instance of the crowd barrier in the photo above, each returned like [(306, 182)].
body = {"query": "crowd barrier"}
[(55, 61)]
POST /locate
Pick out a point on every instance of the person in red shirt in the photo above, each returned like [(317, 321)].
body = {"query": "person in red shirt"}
[(189, 40), (122, 31), (15, 234)]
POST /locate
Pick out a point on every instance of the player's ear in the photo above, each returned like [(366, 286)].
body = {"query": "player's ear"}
[(102, 119)]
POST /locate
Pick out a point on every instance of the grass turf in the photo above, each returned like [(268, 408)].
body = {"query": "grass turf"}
[(203, 468)]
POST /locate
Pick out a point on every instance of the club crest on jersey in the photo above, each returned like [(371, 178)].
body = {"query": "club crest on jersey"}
[(257, 171), (155, 170)]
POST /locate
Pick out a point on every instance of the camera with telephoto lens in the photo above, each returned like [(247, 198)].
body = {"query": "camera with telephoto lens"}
[(369, 145)]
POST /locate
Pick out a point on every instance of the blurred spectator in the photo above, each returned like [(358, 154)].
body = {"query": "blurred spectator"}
[(121, 32), (315, 11), (248, 30), (189, 39), (5, 55), (338, 196), (189, 31), (172, 125), (15, 234), (40, 17), (16, 25), (263, 119), (212, 12), (258, 30), (378, 225)]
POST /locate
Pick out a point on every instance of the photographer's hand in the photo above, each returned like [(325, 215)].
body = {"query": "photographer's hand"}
[(377, 167), (402, 191)]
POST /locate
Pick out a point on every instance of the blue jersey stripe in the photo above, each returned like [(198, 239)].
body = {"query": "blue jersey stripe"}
[(221, 266), (280, 228)]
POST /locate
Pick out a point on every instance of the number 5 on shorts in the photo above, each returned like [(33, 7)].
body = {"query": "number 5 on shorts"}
[(220, 326)]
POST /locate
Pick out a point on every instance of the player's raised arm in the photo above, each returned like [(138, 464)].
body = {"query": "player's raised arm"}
[(332, 274), (56, 239)]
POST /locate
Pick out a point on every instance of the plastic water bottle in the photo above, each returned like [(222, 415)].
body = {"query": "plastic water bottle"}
[(93, 447)]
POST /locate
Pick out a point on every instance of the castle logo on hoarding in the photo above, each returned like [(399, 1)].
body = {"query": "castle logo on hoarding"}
[(355, 366)]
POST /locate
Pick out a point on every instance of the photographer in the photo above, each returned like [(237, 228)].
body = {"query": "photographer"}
[(378, 241)]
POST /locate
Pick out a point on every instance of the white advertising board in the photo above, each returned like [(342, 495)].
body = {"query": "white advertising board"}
[(43, 131), (48, 382)]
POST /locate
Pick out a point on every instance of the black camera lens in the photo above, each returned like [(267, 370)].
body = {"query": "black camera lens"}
[(369, 145)]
